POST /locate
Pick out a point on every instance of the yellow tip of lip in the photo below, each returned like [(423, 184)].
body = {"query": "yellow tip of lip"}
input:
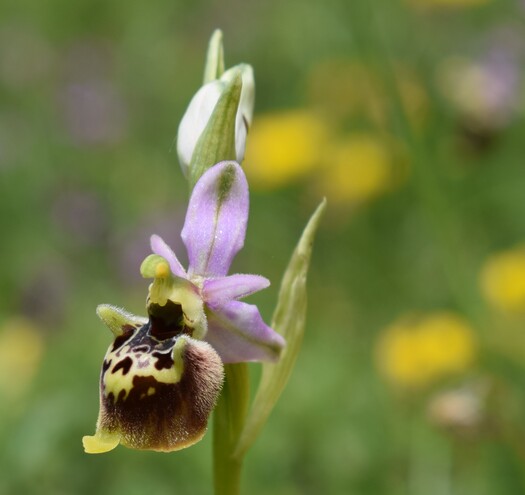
[(162, 270), (100, 442)]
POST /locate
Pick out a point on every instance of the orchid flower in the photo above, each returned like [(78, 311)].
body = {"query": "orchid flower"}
[(162, 375)]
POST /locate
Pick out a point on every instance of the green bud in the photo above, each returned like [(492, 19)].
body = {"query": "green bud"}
[(215, 125), (217, 142)]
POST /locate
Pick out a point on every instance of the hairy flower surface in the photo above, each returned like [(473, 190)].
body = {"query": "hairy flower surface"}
[(162, 375)]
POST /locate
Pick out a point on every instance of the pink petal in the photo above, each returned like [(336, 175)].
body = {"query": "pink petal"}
[(223, 289), (238, 333), (216, 220)]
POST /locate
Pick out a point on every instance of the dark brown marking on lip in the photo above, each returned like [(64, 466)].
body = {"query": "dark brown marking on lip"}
[(124, 365), (164, 360), (105, 365), (141, 348), (122, 339)]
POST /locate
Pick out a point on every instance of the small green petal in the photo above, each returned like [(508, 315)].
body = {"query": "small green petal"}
[(118, 320), (289, 321)]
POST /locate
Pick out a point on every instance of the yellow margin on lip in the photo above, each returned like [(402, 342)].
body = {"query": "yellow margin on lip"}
[(100, 442)]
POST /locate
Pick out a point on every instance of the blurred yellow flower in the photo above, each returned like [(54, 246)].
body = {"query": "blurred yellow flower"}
[(503, 280), (358, 169), (21, 348), (418, 351), (284, 147)]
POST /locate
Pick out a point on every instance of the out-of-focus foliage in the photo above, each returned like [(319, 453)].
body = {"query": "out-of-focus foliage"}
[(407, 115)]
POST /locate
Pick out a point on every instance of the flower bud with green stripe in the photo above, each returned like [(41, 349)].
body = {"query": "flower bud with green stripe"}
[(203, 104)]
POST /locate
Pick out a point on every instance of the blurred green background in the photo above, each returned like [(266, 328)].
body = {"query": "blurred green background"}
[(406, 114)]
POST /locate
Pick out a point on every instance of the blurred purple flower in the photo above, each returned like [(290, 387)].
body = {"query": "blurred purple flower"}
[(502, 77), (487, 90), (44, 296), (82, 216), (93, 108), (94, 112)]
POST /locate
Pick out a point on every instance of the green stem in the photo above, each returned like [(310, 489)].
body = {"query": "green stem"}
[(227, 473), (228, 423)]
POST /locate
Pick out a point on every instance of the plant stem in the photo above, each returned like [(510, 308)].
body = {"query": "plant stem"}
[(228, 423), (226, 472)]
